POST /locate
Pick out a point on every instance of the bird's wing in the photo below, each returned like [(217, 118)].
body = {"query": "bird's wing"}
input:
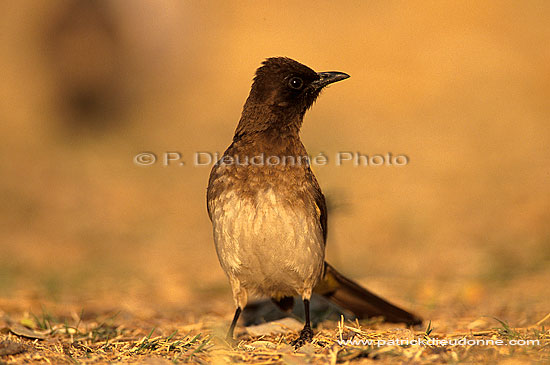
[(213, 189), (320, 202)]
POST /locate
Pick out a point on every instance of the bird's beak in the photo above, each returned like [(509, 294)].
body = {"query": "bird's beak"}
[(329, 77)]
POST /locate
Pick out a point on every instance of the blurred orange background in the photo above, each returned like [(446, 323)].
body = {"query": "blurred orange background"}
[(461, 88)]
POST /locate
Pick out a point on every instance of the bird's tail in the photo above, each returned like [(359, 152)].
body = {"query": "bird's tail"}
[(358, 300)]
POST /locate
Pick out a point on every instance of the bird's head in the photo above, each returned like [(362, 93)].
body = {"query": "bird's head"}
[(287, 84), (285, 89)]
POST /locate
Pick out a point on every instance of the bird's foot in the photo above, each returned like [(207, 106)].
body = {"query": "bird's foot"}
[(306, 335)]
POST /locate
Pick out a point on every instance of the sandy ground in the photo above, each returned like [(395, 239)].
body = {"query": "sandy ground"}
[(96, 250)]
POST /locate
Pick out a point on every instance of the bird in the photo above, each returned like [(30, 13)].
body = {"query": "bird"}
[(268, 213)]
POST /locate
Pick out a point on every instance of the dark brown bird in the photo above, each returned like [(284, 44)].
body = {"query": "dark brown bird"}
[(268, 213)]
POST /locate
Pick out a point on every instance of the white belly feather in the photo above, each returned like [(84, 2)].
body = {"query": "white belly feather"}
[(271, 247)]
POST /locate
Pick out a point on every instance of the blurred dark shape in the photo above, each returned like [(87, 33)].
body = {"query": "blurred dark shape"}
[(264, 310), (337, 202), (86, 50)]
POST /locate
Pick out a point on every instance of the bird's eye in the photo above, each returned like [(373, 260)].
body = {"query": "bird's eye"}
[(296, 83)]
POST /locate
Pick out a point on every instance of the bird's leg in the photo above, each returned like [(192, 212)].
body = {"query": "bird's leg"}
[(306, 334), (229, 336)]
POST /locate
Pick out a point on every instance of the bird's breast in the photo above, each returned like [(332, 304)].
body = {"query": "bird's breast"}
[(268, 236)]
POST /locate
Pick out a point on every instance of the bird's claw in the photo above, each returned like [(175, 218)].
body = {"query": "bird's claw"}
[(306, 335)]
